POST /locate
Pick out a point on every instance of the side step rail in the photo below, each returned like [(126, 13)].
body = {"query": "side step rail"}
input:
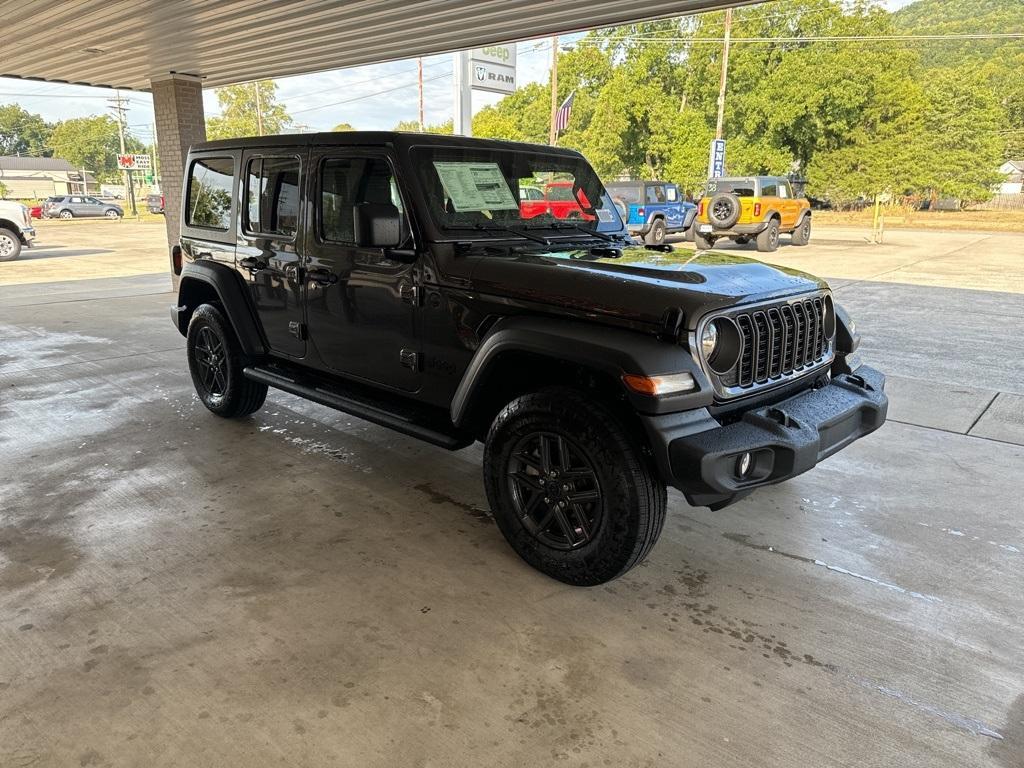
[(453, 441)]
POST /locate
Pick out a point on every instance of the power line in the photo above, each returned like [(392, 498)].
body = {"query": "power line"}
[(820, 38)]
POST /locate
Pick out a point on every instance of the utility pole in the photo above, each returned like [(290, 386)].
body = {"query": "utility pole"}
[(259, 107), (462, 95), (725, 74), (419, 74), (552, 136), (120, 109), (156, 164)]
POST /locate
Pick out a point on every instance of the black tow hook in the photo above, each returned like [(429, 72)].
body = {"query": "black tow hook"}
[(781, 417), (859, 381)]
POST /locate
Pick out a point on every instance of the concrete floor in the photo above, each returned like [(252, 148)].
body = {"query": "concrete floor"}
[(304, 589)]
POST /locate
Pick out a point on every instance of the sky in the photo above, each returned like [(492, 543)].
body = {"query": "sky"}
[(311, 100)]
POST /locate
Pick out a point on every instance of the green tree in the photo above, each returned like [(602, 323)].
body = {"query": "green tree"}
[(413, 126), (91, 143), (343, 127), (21, 132), (3, 190), (239, 114)]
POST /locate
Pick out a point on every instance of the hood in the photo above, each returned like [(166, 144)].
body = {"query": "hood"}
[(641, 284)]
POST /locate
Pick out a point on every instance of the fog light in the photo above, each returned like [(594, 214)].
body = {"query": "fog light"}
[(743, 464)]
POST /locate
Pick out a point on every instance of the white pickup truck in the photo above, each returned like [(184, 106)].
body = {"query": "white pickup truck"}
[(16, 229)]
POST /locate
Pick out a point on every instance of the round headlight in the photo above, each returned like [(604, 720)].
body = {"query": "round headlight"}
[(709, 340)]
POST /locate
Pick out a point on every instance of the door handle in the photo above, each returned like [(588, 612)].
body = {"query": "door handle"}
[(322, 276), (410, 293), (252, 263)]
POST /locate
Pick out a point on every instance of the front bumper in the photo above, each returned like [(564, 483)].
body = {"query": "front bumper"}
[(28, 234), (700, 457)]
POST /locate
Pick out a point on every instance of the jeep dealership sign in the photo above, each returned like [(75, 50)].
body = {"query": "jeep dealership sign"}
[(493, 69)]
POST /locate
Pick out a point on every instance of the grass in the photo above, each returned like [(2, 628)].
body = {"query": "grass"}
[(905, 218)]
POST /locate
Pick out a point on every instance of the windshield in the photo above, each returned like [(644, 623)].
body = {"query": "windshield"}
[(739, 187), (492, 189)]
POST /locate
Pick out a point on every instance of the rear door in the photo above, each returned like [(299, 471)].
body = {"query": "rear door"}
[(360, 302), (267, 252), (78, 206)]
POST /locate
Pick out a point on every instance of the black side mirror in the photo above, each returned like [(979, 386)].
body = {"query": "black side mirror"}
[(377, 225)]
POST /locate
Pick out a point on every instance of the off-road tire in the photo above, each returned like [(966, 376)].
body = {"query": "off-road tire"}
[(724, 210), (768, 238), (656, 234), (704, 242), (690, 233), (231, 394), (631, 500), (10, 245), (802, 234), (65, 214)]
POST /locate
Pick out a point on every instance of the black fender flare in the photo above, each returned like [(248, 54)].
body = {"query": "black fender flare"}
[(233, 296), (612, 351), (800, 222)]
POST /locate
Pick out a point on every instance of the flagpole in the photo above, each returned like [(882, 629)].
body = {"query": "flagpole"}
[(552, 133)]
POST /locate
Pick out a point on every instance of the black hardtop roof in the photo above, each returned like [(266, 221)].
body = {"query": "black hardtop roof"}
[(401, 139), (632, 182)]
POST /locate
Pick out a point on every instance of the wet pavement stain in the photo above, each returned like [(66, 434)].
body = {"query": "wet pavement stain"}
[(437, 497)]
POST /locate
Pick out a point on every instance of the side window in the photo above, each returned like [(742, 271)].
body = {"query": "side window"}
[(344, 184), (655, 194), (784, 190), (76, 199), (209, 192), (769, 188), (672, 194), (272, 196)]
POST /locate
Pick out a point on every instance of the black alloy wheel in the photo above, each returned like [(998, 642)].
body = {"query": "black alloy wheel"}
[(211, 363), (555, 490)]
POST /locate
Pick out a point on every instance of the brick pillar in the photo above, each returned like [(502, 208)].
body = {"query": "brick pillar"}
[(180, 122)]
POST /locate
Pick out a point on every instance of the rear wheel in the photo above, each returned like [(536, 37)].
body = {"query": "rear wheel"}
[(656, 234), (216, 362), (66, 214), (570, 488), (704, 242), (10, 245), (768, 238), (802, 234)]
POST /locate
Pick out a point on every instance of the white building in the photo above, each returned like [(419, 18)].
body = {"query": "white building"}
[(33, 178)]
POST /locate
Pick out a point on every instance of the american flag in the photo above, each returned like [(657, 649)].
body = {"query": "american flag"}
[(563, 113)]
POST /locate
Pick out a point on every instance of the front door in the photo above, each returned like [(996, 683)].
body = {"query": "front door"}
[(267, 253), (360, 302)]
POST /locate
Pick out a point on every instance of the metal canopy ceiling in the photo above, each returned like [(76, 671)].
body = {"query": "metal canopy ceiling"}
[(126, 44)]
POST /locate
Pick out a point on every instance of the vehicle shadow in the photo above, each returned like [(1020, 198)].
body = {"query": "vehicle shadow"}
[(52, 252)]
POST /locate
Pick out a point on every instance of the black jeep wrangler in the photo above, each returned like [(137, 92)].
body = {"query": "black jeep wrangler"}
[(397, 277)]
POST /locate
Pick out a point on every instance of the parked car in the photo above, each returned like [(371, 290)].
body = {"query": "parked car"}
[(155, 203), (557, 198), (73, 206), (653, 209), (16, 230), (395, 277), (747, 208), (36, 211)]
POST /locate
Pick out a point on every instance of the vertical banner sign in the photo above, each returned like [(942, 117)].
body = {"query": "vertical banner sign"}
[(716, 160)]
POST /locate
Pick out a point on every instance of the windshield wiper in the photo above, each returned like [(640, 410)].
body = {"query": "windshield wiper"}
[(584, 230), (516, 232)]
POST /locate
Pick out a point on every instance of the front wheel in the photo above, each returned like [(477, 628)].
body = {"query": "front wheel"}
[(802, 234), (215, 362), (656, 234), (570, 489), (112, 214), (10, 245)]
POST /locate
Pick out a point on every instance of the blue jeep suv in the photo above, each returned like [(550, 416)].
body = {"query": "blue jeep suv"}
[(653, 209)]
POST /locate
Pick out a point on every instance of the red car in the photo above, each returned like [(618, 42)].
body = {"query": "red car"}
[(556, 198), (35, 211)]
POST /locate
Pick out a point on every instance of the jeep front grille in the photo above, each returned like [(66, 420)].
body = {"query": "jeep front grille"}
[(778, 342)]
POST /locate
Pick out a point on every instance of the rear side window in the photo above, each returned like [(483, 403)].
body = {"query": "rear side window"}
[(769, 189), (346, 182), (272, 196), (209, 193), (655, 194), (628, 193)]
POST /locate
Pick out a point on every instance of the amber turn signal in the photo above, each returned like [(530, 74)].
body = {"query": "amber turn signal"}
[(655, 386)]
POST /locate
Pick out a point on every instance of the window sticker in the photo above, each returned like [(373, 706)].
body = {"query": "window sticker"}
[(475, 186)]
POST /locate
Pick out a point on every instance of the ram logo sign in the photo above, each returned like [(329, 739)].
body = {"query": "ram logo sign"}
[(494, 68)]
